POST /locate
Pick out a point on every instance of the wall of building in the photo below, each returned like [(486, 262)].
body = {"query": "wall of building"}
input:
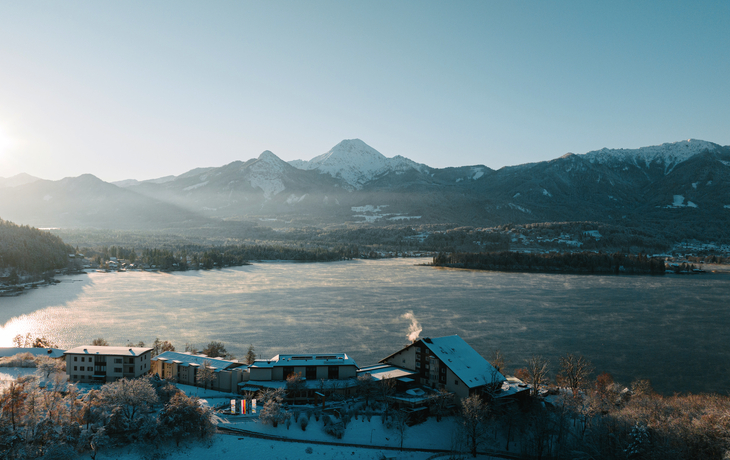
[(117, 367), (405, 359), (260, 374), (455, 385)]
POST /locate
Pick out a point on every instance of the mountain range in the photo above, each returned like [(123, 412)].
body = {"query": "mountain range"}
[(673, 184)]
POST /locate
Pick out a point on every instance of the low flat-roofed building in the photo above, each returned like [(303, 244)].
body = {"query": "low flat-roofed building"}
[(99, 364), (380, 372), (183, 367), (329, 366), (319, 372)]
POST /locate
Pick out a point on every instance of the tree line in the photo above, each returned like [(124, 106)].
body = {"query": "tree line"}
[(577, 262), (184, 257), (27, 250)]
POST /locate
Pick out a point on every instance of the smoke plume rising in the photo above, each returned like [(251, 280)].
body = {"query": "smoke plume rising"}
[(414, 330)]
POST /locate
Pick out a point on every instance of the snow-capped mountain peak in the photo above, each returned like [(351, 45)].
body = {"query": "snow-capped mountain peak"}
[(670, 153), (269, 157), (356, 163), (266, 173)]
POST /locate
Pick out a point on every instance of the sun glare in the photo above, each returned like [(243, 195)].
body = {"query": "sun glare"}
[(5, 141)]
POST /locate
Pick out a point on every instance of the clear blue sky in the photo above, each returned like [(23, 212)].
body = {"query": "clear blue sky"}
[(146, 89)]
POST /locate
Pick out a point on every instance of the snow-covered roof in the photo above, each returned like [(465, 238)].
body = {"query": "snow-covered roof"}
[(50, 352), (111, 351), (187, 359), (468, 365), (319, 359), (385, 372), (463, 360)]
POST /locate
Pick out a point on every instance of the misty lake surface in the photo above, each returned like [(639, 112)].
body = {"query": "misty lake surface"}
[(672, 330)]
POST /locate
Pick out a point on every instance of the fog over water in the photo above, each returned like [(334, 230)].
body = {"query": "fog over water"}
[(673, 330)]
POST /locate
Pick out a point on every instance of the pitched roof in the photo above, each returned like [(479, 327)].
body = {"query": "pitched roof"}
[(188, 359), (463, 360)]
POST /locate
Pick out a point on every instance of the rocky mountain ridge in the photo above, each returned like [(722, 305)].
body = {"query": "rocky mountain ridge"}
[(669, 184)]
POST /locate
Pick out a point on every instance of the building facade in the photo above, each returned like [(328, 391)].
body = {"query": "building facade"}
[(99, 364), (449, 363), (185, 368)]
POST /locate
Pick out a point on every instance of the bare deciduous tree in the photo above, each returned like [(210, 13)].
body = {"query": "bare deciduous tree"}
[(250, 355), (366, 387), (294, 384), (205, 374), (400, 425), (161, 346), (574, 372), (472, 419), (537, 372), (498, 361)]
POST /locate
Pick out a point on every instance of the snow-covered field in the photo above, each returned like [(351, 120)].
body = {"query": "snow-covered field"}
[(240, 447), (295, 443)]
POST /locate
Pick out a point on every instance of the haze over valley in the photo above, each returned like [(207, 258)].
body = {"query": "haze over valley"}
[(678, 189)]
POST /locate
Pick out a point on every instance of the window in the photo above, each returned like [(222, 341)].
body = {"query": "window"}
[(118, 370), (288, 370), (75, 368), (82, 368), (456, 382), (333, 372), (311, 373), (117, 360), (76, 358)]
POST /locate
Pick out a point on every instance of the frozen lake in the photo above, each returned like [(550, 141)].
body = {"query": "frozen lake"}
[(672, 330)]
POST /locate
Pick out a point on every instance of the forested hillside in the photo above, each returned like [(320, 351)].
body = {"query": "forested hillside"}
[(29, 250), (582, 262)]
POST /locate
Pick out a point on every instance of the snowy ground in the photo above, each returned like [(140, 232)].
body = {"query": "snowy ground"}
[(293, 443)]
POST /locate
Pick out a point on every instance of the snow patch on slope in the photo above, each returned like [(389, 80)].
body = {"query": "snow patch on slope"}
[(193, 187), (292, 199), (679, 203), (519, 208)]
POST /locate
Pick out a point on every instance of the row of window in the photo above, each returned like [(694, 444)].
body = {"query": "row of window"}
[(333, 372), (103, 359)]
